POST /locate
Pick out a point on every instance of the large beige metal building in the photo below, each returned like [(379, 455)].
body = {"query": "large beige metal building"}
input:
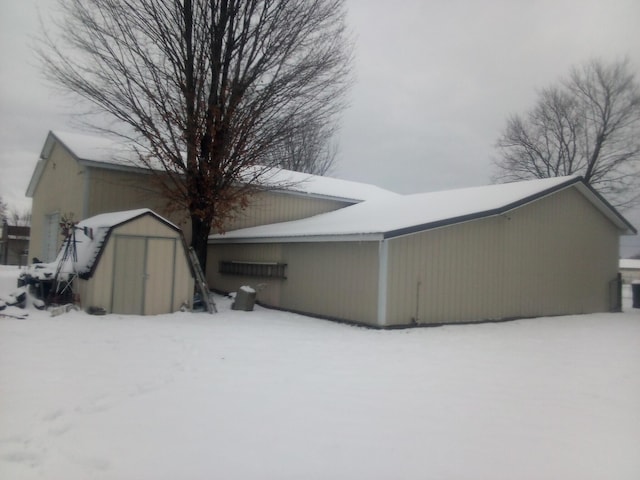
[(542, 247), (359, 253)]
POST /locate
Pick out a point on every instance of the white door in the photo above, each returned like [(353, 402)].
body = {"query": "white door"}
[(51, 234)]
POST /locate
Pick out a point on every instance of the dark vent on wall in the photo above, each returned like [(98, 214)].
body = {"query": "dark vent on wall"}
[(254, 269)]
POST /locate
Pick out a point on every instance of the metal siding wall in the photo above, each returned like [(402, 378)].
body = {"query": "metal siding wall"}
[(338, 280), (273, 207), (60, 190), (555, 256), (268, 289), (114, 190), (333, 279)]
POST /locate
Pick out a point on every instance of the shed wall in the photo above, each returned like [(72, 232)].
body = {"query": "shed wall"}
[(555, 256), (333, 279)]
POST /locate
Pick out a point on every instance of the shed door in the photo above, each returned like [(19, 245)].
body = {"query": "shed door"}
[(143, 275), (159, 288), (129, 275)]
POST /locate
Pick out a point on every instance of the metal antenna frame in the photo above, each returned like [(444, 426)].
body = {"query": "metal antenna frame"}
[(70, 253)]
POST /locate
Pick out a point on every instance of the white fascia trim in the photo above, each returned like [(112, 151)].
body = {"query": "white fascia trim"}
[(86, 194), (365, 237), (114, 166), (383, 263), (35, 178)]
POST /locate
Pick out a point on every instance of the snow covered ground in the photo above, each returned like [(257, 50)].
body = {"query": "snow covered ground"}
[(272, 395)]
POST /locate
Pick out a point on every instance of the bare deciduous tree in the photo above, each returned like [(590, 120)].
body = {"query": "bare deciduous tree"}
[(586, 125), (17, 217), (310, 148), (3, 210), (206, 90)]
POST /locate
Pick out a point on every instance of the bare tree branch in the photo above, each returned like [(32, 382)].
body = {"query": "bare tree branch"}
[(587, 125), (204, 89)]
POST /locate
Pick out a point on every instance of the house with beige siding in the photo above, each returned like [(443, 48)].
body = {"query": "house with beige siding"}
[(82, 175), (358, 253), (525, 249)]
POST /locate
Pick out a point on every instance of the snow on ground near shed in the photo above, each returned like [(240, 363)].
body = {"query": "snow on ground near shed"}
[(272, 395)]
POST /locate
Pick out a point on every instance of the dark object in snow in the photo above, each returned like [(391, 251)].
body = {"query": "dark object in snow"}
[(39, 279), (635, 290), (96, 311), (245, 299), (18, 298), (21, 298), (198, 304)]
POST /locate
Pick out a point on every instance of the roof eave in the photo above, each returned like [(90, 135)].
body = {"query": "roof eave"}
[(356, 237), (40, 165)]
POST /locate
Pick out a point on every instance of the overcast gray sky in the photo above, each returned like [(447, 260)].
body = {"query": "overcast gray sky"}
[(436, 80)]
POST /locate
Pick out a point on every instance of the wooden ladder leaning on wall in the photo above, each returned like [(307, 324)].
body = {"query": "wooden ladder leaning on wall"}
[(201, 282)]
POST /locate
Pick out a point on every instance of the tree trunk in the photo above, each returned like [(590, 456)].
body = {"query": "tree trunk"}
[(200, 230)]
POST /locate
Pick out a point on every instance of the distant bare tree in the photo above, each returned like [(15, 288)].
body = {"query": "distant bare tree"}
[(587, 125), (3, 210), (310, 148), (207, 90), (17, 217)]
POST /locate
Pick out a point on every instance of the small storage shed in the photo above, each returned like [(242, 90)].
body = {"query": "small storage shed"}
[(525, 249), (132, 262)]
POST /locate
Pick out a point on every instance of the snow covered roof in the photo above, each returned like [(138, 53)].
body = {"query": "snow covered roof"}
[(92, 148), (110, 153), (91, 236), (403, 214), (321, 186)]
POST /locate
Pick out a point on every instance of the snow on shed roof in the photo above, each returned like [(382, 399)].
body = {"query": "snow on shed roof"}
[(403, 214), (117, 154)]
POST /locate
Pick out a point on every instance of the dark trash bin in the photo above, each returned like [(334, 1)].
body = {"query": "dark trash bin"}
[(635, 290), (245, 299)]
